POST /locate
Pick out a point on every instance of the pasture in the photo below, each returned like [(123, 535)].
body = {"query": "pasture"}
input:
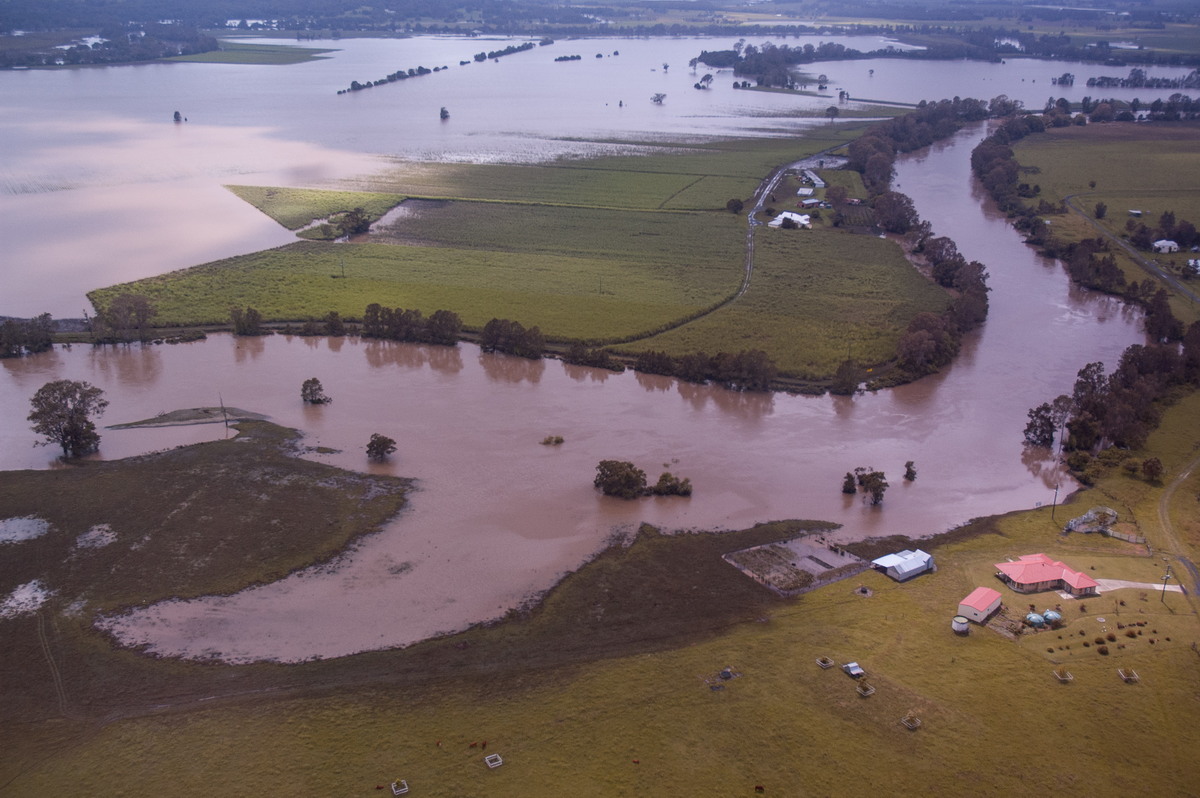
[(231, 52), (817, 298)]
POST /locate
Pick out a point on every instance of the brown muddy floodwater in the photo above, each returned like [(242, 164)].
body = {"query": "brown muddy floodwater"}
[(498, 517)]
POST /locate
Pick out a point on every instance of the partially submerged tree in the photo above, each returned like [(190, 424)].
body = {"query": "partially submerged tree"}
[(379, 447), (873, 482), (62, 412), (246, 322), (313, 392), (910, 471), (620, 478)]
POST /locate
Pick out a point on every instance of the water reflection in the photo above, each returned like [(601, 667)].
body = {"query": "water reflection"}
[(512, 369), (586, 373), (442, 359), (249, 347)]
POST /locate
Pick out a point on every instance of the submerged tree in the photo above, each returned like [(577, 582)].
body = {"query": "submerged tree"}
[(849, 485), (620, 478), (910, 471), (379, 447), (62, 412), (313, 392)]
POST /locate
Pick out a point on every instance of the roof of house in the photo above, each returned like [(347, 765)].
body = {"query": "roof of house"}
[(981, 599), (1030, 569), (905, 562), (802, 219)]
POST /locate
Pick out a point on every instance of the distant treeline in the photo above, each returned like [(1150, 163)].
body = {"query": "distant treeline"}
[(118, 44)]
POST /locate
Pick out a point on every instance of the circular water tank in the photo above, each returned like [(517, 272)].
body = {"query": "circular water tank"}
[(960, 625), (1052, 616), (1033, 619)]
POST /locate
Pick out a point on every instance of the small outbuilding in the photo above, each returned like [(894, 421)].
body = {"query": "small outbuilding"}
[(979, 604), (800, 219), (904, 565), (1164, 245)]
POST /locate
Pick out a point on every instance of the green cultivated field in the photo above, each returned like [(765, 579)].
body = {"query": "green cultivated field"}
[(606, 688), (243, 53), (817, 298), (604, 249), (296, 207), (1148, 167)]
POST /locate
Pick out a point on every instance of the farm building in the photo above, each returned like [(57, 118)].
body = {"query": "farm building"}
[(1165, 245), (1034, 573), (801, 219), (979, 604), (811, 202), (805, 191), (816, 181), (904, 564)]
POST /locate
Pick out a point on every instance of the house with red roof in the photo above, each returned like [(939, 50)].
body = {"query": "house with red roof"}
[(979, 604), (1034, 573)]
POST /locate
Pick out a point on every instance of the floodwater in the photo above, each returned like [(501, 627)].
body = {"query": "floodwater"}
[(99, 186), (498, 517)]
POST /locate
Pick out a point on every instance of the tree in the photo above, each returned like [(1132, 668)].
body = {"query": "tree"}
[(354, 222), (734, 205), (832, 112), (657, 99), (670, 485), (849, 485), (910, 471), (247, 322), (1101, 210), (873, 482), (1040, 429), (313, 392), (379, 447), (62, 412), (1152, 468), (620, 478)]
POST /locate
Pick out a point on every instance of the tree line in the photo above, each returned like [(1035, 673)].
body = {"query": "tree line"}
[(931, 340), (26, 336), (1089, 262), (1121, 408)]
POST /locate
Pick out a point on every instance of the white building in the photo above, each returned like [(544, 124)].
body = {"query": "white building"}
[(1165, 245), (904, 564), (801, 219)]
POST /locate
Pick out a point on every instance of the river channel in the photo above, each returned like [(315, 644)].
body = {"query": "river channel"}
[(498, 518)]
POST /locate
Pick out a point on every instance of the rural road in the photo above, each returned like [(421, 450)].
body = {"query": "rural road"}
[(1148, 264), (1172, 539)]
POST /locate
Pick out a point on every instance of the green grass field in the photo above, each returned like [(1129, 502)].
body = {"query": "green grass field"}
[(243, 53), (296, 207), (602, 250), (817, 298), (1148, 167)]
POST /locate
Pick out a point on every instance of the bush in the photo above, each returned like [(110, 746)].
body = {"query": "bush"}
[(1102, 650)]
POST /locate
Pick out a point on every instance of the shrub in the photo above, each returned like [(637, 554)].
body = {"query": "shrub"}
[(620, 478), (552, 440), (1112, 638), (1102, 650)]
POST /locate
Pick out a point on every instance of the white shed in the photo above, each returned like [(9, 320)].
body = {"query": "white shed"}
[(904, 564), (979, 604), (1165, 245), (801, 219)]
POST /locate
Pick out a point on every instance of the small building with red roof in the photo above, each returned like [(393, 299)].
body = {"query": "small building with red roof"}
[(979, 605), (1035, 573)]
